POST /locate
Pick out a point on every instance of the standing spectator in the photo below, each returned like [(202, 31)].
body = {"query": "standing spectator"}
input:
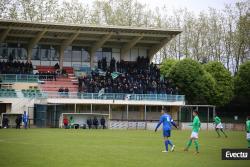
[(54, 75), (56, 66), (103, 123), (18, 121), (65, 122), (89, 123), (25, 119), (95, 122), (5, 122)]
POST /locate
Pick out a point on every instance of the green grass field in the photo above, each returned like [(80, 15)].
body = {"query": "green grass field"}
[(107, 148)]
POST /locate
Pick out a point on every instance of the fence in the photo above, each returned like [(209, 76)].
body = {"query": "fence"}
[(24, 77)]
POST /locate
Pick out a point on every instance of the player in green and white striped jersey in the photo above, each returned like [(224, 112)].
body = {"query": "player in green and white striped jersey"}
[(248, 130), (194, 135), (218, 126)]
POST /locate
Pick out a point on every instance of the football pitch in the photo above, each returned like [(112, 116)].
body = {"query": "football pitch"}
[(112, 148)]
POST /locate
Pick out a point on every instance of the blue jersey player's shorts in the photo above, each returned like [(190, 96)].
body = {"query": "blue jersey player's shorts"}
[(166, 133)]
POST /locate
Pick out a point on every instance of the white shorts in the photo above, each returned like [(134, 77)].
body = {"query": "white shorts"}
[(194, 135), (219, 126), (248, 136)]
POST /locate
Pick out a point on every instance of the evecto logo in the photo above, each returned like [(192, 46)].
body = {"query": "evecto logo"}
[(235, 154)]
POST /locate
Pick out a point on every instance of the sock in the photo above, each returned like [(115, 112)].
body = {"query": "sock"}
[(170, 143), (166, 145), (189, 143), (248, 143), (218, 132), (224, 133), (196, 145)]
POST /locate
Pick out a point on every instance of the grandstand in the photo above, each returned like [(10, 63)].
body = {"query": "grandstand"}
[(51, 70)]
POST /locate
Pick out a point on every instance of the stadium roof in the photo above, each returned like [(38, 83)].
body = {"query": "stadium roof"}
[(25, 32)]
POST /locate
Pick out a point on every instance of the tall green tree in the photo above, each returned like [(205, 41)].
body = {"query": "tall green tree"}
[(224, 82), (166, 66), (193, 81), (242, 82)]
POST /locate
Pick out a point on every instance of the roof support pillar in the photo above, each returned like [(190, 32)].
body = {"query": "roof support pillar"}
[(61, 56), (96, 46), (33, 43), (126, 48), (92, 58), (64, 45), (155, 48), (29, 54), (69, 41), (4, 34), (100, 43)]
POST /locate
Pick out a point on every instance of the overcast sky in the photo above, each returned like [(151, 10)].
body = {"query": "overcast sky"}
[(194, 5)]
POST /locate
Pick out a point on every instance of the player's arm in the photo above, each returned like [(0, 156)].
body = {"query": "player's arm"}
[(193, 123), (173, 123), (218, 120), (199, 124), (159, 124)]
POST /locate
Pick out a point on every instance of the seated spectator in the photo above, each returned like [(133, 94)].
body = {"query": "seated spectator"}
[(66, 91), (60, 91)]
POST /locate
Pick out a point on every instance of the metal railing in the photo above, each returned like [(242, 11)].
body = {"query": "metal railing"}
[(24, 77), (115, 96), (98, 96)]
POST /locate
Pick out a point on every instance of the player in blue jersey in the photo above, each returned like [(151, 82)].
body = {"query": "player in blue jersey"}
[(167, 122)]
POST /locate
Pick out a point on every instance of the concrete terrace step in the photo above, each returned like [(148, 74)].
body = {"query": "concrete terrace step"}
[(63, 80), (72, 77)]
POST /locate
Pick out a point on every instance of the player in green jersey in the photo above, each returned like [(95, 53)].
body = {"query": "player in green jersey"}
[(218, 126), (194, 135), (248, 130)]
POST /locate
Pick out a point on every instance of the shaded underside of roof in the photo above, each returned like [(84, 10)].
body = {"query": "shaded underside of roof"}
[(87, 35)]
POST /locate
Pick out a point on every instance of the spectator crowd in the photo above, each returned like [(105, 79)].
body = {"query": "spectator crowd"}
[(15, 67), (139, 77)]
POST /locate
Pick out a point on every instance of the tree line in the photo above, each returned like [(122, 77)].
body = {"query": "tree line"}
[(208, 83), (212, 35)]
